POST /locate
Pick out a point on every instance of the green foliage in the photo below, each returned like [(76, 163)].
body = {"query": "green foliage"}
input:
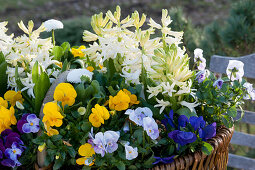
[(3, 75), (72, 32), (235, 36)]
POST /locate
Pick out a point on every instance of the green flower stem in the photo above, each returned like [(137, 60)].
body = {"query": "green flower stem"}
[(53, 38)]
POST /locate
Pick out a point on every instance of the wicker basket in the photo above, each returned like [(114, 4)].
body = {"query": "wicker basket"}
[(216, 160)]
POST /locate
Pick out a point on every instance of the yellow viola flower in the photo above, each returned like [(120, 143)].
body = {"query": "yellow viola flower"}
[(50, 130), (119, 102), (12, 116), (41, 147), (65, 93), (96, 120), (133, 98), (13, 96), (78, 52), (87, 151), (101, 110), (52, 114), (3, 102), (5, 118), (90, 68)]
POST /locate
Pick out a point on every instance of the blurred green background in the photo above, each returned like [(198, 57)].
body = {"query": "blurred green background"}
[(223, 27)]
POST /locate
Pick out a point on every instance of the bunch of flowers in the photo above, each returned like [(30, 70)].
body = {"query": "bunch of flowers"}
[(129, 100)]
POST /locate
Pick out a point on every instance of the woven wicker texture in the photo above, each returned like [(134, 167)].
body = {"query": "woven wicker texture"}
[(217, 160)]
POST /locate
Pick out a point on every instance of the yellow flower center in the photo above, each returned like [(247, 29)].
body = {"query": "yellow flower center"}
[(130, 152), (150, 131), (14, 151), (31, 124)]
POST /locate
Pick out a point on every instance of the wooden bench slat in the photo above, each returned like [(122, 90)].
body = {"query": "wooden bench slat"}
[(219, 64), (241, 162), (243, 139), (249, 117)]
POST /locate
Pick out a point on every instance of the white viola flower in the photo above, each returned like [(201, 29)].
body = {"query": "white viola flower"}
[(144, 110), (169, 89), (199, 59), (136, 117), (74, 76), (151, 127), (131, 153), (154, 91), (250, 91), (191, 106), (235, 70), (126, 127), (53, 24), (163, 104)]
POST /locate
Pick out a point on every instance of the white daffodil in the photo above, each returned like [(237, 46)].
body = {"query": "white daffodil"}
[(191, 106), (163, 104), (235, 70), (74, 76), (53, 24)]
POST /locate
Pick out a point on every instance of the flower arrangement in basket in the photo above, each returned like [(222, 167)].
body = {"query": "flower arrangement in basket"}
[(126, 101)]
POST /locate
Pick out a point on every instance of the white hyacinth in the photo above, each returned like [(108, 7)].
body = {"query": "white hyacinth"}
[(74, 76), (53, 24)]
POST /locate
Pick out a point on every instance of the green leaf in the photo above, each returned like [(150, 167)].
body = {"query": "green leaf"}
[(71, 151), (120, 165), (65, 46), (86, 168), (207, 148), (185, 111), (138, 134), (35, 72), (3, 75), (66, 66), (58, 52), (148, 162), (232, 111), (40, 89), (110, 69), (86, 126), (58, 163), (56, 137)]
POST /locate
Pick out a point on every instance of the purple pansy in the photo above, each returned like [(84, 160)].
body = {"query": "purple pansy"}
[(2, 149), (208, 132), (197, 122), (182, 138), (10, 163), (151, 127), (29, 123), (218, 83), (169, 120), (182, 121), (201, 76), (166, 160), (14, 152)]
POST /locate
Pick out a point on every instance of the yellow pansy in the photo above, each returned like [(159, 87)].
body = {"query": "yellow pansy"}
[(13, 96), (90, 68), (12, 116), (50, 130), (119, 102), (52, 114), (78, 52), (87, 151), (133, 98), (98, 115), (65, 93), (5, 119), (3, 102)]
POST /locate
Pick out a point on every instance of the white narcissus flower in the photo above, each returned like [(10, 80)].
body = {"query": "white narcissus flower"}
[(131, 153), (154, 91), (235, 70), (74, 76), (191, 106), (167, 88), (53, 24), (163, 104), (199, 59)]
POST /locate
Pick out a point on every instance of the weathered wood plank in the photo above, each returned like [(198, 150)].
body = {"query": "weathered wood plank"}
[(249, 117), (243, 139), (219, 64), (241, 162)]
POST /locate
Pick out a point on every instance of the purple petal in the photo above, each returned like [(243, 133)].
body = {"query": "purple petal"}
[(6, 132), (20, 125), (182, 121), (33, 119), (24, 116), (26, 128), (8, 162), (209, 131)]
